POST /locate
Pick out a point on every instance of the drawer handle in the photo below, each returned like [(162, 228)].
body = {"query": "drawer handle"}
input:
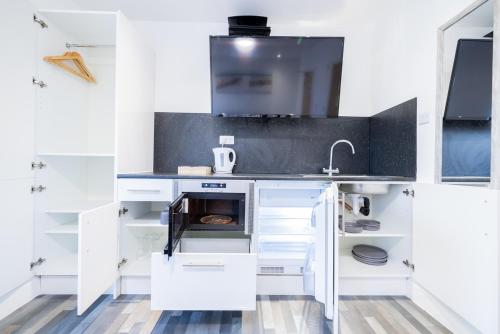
[(203, 265), (145, 190)]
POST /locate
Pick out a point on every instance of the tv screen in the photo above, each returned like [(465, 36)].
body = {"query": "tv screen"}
[(276, 76), (469, 94)]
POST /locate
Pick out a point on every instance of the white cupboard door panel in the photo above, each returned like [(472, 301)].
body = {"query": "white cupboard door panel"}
[(145, 190), (203, 281), (16, 233), (135, 92), (455, 249), (97, 253), (17, 93)]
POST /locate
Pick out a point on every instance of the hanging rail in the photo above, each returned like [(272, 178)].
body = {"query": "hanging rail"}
[(76, 45)]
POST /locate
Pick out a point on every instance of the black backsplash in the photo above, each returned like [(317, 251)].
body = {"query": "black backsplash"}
[(291, 146), (393, 141), (288, 146)]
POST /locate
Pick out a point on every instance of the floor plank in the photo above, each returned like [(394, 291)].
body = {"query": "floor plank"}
[(274, 314)]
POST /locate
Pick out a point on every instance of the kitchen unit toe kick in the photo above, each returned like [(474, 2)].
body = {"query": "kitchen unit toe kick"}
[(203, 281)]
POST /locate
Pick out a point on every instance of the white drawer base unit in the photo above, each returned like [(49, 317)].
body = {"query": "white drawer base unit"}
[(149, 190), (203, 281)]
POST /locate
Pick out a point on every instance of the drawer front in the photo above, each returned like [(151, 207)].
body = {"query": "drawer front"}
[(154, 190), (202, 281)]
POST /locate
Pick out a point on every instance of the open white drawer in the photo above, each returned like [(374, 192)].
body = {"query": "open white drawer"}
[(205, 274)]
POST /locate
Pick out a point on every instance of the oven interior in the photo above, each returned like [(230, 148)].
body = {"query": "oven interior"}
[(215, 211)]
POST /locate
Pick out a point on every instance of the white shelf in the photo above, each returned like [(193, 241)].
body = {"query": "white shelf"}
[(66, 265), (68, 229), (151, 219), (350, 268), (76, 154), (374, 234), (77, 207)]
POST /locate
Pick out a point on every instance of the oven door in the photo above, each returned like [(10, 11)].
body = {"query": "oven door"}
[(177, 222)]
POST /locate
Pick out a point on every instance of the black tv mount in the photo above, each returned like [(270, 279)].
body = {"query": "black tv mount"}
[(248, 25)]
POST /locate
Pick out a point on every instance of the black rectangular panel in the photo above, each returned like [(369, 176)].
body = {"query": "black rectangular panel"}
[(276, 76), (470, 90)]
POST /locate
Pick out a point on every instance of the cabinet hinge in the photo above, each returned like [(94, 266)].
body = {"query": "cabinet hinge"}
[(40, 22), (39, 165), (408, 192), (409, 265), (122, 262), (122, 211), (37, 262), (39, 83), (39, 188)]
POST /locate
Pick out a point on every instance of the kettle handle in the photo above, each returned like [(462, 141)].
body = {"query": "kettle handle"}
[(233, 160)]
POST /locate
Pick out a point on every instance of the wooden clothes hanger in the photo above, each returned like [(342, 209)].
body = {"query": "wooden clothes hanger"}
[(81, 69)]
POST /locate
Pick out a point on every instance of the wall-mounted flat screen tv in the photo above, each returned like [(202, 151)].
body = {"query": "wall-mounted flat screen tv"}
[(276, 76), (469, 94)]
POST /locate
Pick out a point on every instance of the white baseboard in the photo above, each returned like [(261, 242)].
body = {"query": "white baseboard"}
[(135, 285), (19, 297), (391, 286), (58, 285), (446, 316)]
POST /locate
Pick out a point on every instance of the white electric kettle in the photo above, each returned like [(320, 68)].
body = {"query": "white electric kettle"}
[(225, 158)]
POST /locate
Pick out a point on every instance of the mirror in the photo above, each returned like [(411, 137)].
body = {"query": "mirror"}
[(466, 47)]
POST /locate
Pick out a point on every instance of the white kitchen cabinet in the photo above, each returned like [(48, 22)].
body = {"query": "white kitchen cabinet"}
[(16, 155), (148, 190), (394, 211), (455, 253), (216, 276), (81, 134), (447, 235)]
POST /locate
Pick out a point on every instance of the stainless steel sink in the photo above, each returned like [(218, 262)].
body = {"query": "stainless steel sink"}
[(365, 188)]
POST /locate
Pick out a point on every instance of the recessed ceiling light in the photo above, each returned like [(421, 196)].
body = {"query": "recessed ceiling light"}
[(278, 55)]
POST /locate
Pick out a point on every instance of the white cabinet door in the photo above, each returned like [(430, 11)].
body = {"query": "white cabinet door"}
[(17, 93), (325, 267), (455, 249), (135, 91), (17, 96), (16, 233), (97, 253)]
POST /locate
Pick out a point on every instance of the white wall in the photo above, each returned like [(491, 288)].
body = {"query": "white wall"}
[(389, 57)]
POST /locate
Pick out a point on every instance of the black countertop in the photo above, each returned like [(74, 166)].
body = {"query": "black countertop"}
[(295, 177)]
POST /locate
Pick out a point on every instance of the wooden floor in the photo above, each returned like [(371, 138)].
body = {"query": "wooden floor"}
[(131, 314)]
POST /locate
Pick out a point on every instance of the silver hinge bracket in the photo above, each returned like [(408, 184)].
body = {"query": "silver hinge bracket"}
[(39, 189), (39, 165), (37, 262), (408, 192), (40, 22), (409, 265), (122, 262), (39, 83), (122, 211)]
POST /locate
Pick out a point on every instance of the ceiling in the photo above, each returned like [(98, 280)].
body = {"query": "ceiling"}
[(217, 10)]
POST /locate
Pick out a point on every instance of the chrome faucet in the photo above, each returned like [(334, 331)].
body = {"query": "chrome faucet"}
[(331, 171)]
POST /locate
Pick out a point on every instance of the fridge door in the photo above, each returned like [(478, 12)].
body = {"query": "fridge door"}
[(177, 222), (320, 268)]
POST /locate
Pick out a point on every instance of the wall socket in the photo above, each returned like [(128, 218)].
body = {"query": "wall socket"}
[(226, 140)]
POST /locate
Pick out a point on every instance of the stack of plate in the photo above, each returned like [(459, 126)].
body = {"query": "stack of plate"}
[(351, 227), (368, 254), (369, 224)]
